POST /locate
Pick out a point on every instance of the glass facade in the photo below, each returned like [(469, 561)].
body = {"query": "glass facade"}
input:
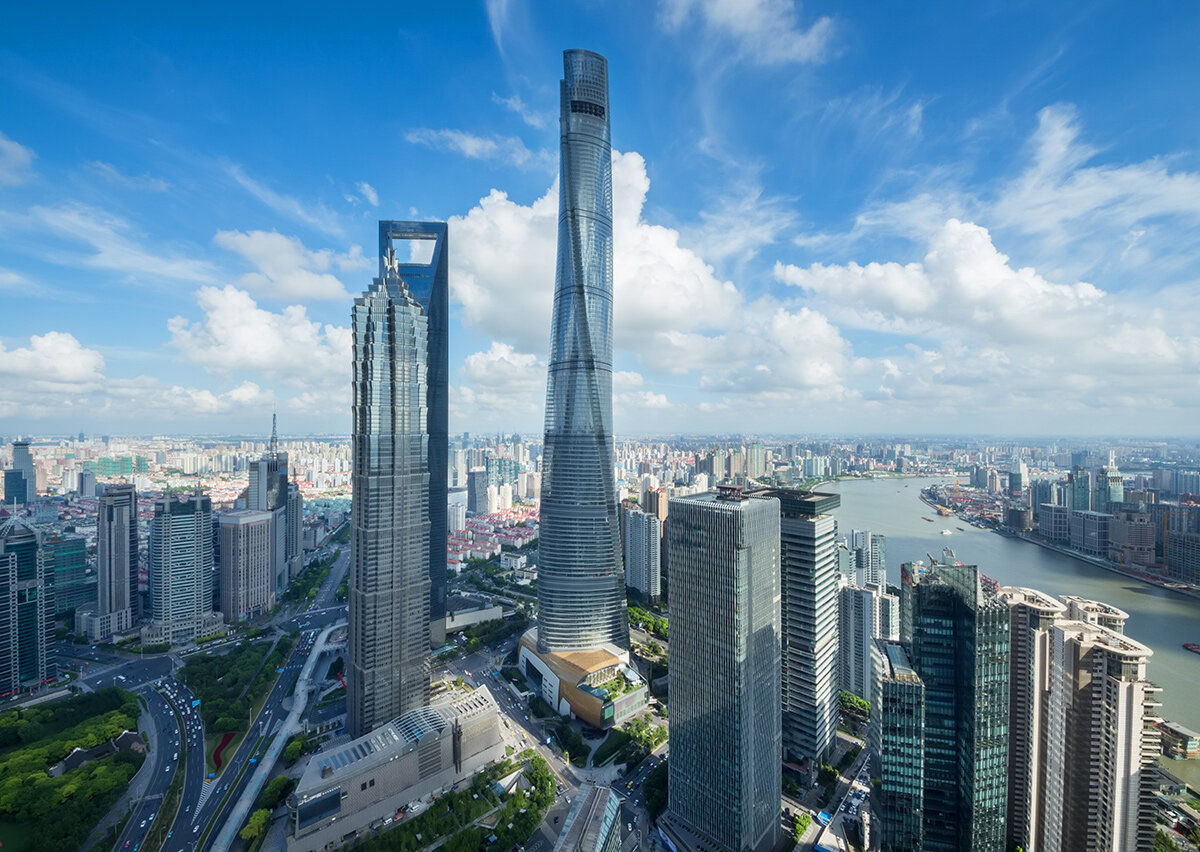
[(117, 550), (959, 648), (428, 282), (28, 658), (389, 581), (581, 581), (897, 747), (724, 658)]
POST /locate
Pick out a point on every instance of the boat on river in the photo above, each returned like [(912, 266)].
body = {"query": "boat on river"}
[(1192, 646)]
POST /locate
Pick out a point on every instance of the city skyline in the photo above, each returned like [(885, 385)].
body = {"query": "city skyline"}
[(810, 205)]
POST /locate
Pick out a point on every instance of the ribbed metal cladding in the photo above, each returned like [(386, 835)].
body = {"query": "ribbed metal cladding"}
[(581, 581), (389, 570)]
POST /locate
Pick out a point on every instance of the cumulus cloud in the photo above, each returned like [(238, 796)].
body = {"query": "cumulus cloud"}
[(500, 385), (288, 270), (964, 282), (16, 162), (767, 32), (235, 335), (502, 269), (505, 149), (52, 362)]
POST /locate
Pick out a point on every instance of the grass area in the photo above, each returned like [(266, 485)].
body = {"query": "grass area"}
[(618, 686), (210, 746), (612, 745), (59, 813), (452, 816), (571, 743)]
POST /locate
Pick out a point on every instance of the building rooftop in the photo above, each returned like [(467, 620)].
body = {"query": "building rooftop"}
[(389, 741), (1032, 597), (900, 668)]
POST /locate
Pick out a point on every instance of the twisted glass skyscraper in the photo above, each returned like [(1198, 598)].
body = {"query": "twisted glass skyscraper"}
[(581, 583), (389, 569)]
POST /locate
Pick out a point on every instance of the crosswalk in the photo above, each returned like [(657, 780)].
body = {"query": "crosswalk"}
[(205, 792)]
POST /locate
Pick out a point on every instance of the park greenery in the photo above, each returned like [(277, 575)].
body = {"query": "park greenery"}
[(229, 684), (851, 703), (630, 744), (275, 793), (1163, 842), (256, 826), (59, 813), (495, 631), (450, 820), (654, 624), (308, 583), (612, 745)]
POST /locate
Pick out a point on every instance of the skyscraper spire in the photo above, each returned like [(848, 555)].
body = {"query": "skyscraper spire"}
[(274, 437)]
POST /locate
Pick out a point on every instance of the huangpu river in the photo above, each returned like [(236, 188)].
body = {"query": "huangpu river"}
[(1159, 618)]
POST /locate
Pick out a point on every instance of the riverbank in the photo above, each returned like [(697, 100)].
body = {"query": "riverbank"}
[(1115, 567)]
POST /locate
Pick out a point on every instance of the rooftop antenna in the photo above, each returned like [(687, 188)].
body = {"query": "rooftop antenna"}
[(274, 437)]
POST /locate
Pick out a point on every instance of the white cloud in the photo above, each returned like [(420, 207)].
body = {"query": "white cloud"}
[(115, 245), (964, 283), (368, 192), (767, 32), (16, 162), (505, 149), (315, 215), (235, 335), (52, 362), (529, 116), (501, 386), (173, 402), (141, 182), (502, 269), (288, 270)]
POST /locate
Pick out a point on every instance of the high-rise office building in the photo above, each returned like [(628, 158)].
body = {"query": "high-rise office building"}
[(809, 592), (477, 491), (581, 583), (246, 584), (28, 660), (958, 644), (390, 516), (294, 538), (725, 663), (181, 571), (1032, 617), (425, 273), (897, 748), (864, 615), (269, 491), (871, 555), (1079, 490), (87, 483), (1102, 743), (118, 599), (1110, 488), (643, 537), (74, 584)]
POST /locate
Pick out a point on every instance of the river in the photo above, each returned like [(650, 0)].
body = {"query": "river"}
[(1159, 618)]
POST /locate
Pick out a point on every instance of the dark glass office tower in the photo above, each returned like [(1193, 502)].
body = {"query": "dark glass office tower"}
[(725, 655), (425, 274), (390, 515), (581, 582), (28, 655), (959, 648)]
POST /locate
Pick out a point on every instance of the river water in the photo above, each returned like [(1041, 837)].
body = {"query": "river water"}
[(1159, 618)]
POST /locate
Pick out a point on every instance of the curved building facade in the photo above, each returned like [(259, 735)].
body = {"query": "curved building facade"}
[(581, 582), (389, 581)]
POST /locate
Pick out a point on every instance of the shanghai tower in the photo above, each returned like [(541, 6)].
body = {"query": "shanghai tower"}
[(389, 583), (581, 582)]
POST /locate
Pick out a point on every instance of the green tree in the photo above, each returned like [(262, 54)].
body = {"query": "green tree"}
[(256, 826), (293, 751)]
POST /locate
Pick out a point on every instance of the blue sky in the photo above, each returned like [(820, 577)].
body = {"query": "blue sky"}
[(845, 217)]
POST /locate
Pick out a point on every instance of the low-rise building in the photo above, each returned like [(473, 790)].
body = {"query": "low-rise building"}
[(352, 787), (1178, 742), (597, 685)]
